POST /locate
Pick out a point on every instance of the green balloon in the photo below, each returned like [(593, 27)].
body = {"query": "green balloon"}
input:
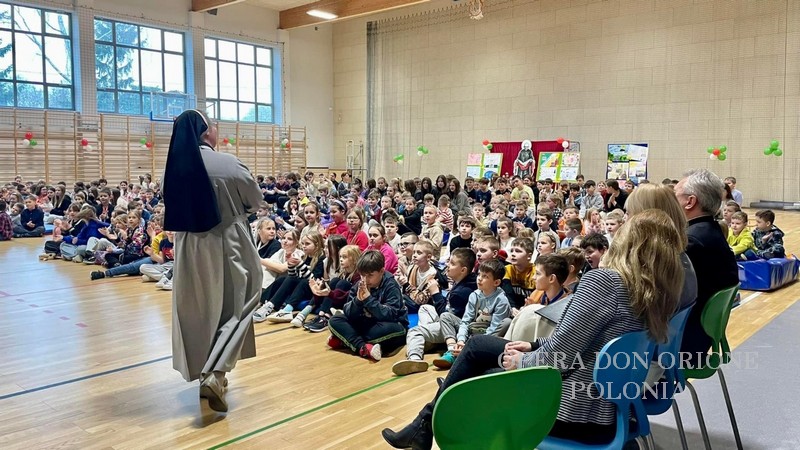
[(774, 144), (489, 147), (777, 152), (143, 141), (767, 151), (722, 156), (710, 149), (420, 148), (33, 142), (232, 141), (723, 149)]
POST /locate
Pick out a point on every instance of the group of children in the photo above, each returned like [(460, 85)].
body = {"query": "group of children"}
[(500, 257)]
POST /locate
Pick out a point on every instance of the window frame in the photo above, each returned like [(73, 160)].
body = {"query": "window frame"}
[(141, 90), (43, 34), (255, 65)]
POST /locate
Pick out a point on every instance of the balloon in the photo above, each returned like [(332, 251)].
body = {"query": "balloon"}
[(33, 143), (225, 141), (143, 147), (29, 135), (723, 149), (774, 144), (228, 145), (565, 144), (712, 156), (716, 152), (84, 142), (26, 142), (767, 151), (710, 149), (399, 159), (485, 142), (489, 147), (89, 148), (143, 141), (288, 145), (149, 145), (722, 157), (285, 141), (778, 152), (560, 140), (233, 141)]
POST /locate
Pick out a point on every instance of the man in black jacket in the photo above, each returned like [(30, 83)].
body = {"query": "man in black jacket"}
[(700, 195)]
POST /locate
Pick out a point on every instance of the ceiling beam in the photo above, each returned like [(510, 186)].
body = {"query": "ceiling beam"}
[(345, 9), (205, 5)]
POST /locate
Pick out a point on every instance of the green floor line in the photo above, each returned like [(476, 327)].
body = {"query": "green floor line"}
[(304, 413)]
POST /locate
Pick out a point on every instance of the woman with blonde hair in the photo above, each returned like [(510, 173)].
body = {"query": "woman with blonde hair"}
[(634, 291)]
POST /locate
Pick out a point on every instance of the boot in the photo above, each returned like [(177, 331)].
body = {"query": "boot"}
[(418, 435)]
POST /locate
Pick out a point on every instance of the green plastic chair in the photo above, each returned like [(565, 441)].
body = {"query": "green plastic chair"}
[(503, 411), (715, 321)]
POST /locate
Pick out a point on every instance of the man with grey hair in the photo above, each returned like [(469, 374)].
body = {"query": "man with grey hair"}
[(700, 195)]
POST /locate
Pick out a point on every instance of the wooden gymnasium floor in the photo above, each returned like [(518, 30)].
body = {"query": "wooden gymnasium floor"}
[(87, 365)]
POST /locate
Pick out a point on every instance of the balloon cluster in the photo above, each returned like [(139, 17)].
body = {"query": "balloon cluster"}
[(87, 147), (399, 159), (487, 145), (29, 141), (422, 150), (285, 143), (564, 143), (717, 152), (774, 148), (144, 144), (229, 142)]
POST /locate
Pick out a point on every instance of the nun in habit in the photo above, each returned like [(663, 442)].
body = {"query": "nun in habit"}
[(217, 272)]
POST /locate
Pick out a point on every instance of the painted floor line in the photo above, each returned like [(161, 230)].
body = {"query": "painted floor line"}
[(749, 297), (303, 414), (107, 372)]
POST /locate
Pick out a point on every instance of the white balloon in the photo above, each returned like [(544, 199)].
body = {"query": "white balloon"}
[(712, 156), (565, 144), (400, 161), (143, 146), (26, 142), (89, 148)]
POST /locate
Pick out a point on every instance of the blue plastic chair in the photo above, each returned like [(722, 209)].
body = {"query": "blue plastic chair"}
[(617, 381), (673, 380)]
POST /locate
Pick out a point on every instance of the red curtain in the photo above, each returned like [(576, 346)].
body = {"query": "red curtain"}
[(510, 150)]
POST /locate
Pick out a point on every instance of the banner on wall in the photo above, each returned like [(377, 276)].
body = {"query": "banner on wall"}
[(627, 162), (483, 165), (560, 166)]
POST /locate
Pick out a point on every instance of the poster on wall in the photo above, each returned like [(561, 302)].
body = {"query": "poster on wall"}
[(483, 165), (558, 166), (627, 162)]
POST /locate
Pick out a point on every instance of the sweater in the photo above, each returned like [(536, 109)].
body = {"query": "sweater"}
[(772, 247), (384, 304), (35, 215), (741, 243), (481, 307), (457, 297)]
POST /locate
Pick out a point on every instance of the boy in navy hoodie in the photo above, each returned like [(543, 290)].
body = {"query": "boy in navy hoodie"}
[(374, 315), (440, 326), (31, 220)]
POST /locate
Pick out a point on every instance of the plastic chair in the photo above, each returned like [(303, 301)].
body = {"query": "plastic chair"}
[(470, 414), (714, 321), (673, 380), (616, 380)]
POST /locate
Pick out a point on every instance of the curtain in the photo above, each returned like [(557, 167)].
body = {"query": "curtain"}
[(510, 150)]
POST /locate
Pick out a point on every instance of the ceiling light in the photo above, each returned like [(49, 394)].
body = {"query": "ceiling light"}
[(322, 14)]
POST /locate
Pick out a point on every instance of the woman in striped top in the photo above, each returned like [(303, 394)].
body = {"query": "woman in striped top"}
[(637, 288)]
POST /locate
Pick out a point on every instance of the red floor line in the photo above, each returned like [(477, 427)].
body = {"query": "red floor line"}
[(70, 287)]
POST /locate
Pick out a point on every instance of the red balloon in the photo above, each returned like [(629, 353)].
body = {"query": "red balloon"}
[(225, 141), (149, 145), (84, 142), (716, 152), (485, 142), (289, 145), (29, 135), (560, 140)]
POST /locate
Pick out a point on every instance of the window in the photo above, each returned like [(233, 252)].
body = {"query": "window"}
[(35, 58), (239, 81), (131, 61)]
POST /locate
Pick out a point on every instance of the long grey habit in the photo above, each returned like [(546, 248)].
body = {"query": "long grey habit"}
[(217, 277)]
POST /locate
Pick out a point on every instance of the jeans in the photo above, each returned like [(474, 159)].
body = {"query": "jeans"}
[(128, 269), (355, 333), (20, 231)]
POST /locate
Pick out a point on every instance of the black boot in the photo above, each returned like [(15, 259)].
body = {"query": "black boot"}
[(418, 435)]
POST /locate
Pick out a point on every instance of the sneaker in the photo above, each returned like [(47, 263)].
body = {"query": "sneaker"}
[(161, 282), (409, 366), (145, 278), (89, 260), (298, 320), (280, 317), (336, 312), (318, 325), (371, 351), (77, 259), (167, 286), (445, 361), (262, 312), (334, 342), (43, 257), (97, 275)]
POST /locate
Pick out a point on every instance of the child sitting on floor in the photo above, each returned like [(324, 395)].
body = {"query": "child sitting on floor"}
[(374, 318), (767, 237), (520, 279), (432, 230), (6, 227), (739, 237), (413, 281), (440, 326)]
